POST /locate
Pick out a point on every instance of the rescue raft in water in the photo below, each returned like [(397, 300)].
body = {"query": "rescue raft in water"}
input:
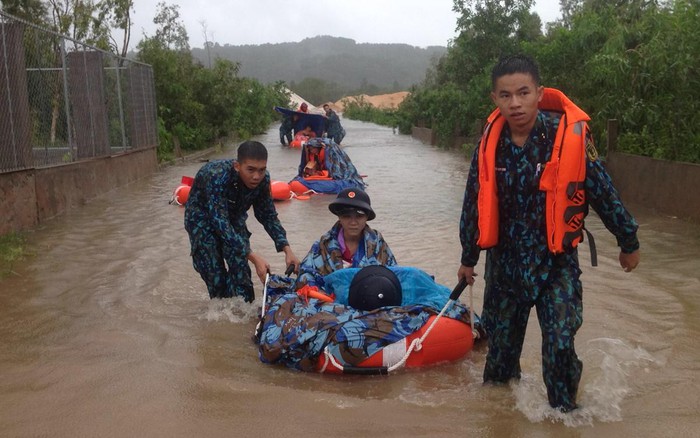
[(311, 334)]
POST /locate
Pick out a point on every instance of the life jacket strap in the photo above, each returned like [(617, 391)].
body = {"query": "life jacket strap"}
[(591, 244)]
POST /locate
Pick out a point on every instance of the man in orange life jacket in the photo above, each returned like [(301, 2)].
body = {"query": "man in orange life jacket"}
[(531, 180)]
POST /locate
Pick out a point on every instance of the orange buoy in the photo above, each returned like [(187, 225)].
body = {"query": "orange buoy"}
[(298, 187), (181, 194), (280, 190)]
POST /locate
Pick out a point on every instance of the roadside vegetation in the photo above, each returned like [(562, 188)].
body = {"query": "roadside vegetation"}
[(198, 106), (12, 250), (359, 109), (631, 60)]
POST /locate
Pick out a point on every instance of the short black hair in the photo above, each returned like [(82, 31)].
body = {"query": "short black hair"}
[(251, 150), (515, 64)]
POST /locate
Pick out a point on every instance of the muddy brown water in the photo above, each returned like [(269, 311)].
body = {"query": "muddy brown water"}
[(108, 331)]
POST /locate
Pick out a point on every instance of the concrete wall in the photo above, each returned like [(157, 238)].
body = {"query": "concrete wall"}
[(32, 196), (668, 187)]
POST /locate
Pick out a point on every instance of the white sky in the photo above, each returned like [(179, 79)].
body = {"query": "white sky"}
[(236, 22)]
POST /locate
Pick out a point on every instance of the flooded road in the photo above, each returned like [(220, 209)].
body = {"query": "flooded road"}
[(108, 331)]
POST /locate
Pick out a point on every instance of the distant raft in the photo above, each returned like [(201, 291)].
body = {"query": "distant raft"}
[(182, 192), (338, 170)]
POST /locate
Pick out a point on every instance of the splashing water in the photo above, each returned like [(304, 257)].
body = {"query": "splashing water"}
[(608, 364), (234, 310)]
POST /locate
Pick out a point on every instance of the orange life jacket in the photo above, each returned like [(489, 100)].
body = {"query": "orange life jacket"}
[(319, 159), (563, 178)]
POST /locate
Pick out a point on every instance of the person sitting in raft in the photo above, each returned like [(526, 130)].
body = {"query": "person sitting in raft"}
[(314, 160), (305, 134), (304, 108), (349, 243)]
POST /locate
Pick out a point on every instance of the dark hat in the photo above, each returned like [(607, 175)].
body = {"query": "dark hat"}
[(373, 287), (352, 198)]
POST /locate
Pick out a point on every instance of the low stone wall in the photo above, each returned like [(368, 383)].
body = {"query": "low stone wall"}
[(30, 197), (668, 187)]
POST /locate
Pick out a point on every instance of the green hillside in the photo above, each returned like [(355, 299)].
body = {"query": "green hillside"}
[(339, 65)]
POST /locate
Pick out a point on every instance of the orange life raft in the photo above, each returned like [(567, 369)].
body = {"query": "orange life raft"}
[(448, 340), (182, 192), (280, 190)]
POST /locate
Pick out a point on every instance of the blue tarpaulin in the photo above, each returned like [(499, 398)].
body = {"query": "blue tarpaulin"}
[(316, 121)]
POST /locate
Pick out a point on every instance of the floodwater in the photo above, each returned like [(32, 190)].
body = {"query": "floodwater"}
[(108, 331)]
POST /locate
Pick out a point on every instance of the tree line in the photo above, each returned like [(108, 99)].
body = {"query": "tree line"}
[(196, 105), (631, 60), (326, 68)]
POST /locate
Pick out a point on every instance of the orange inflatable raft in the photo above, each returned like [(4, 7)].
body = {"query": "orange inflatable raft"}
[(280, 191), (182, 193), (448, 340)]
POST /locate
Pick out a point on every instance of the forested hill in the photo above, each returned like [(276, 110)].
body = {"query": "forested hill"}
[(389, 67)]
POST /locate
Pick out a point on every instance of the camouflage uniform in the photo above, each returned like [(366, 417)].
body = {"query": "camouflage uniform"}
[(215, 219), (325, 256), (521, 272), (286, 130), (334, 129)]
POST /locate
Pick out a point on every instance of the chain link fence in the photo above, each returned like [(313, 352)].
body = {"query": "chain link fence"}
[(63, 101)]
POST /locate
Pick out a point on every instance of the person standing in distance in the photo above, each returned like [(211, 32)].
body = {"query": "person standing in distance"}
[(215, 220), (334, 130), (531, 180)]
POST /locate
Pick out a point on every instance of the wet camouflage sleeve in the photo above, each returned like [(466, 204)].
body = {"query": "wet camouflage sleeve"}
[(266, 213), (325, 256), (605, 200), (468, 221)]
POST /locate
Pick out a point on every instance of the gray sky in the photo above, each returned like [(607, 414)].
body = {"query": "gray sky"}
[(416, 22)]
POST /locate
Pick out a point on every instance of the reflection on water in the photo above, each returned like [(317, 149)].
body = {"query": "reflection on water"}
[(109, 331)]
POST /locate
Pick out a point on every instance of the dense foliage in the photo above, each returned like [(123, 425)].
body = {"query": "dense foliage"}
[(198, 105), (631, 60)]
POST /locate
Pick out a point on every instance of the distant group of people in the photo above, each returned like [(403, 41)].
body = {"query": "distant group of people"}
[(332, 127), (532, 178)]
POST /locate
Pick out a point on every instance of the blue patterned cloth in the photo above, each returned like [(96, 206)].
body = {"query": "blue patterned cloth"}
[(215, 220), (340, 169), (325, 256), (296, 332)]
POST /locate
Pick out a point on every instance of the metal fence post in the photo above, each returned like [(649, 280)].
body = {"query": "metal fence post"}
[(69, 127), (121, 106)]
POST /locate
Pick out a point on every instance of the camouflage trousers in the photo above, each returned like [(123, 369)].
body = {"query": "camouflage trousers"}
[(226, 276), (559, 310), (285, 135)]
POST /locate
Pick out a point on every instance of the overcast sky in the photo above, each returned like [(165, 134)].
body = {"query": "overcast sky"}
[(419, 23)]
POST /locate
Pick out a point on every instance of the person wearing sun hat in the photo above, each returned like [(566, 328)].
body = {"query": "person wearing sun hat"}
[(349, 243)]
